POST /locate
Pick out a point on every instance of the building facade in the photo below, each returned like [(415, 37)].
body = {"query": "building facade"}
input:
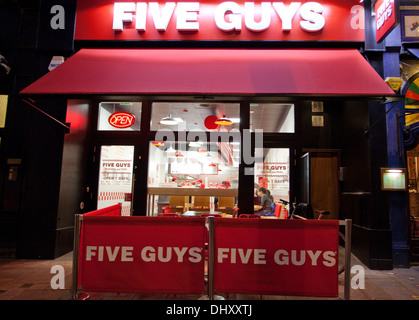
[(325, 148)]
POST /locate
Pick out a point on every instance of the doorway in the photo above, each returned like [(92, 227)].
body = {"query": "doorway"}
[(116, 177), (319, 185)]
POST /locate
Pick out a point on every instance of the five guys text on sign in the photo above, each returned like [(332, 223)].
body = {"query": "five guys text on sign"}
[(322, 20)]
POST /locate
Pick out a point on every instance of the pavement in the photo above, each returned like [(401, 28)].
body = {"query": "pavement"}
[(31, 280)]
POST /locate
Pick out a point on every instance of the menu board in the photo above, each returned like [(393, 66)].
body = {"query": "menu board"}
[(393, 179)]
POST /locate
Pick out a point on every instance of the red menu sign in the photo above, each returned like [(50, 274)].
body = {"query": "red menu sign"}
[(386, 17), (304, 20)]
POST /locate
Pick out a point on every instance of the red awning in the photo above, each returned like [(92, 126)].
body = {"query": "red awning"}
[(280, 72)]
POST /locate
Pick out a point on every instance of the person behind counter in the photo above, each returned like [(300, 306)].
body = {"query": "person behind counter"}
[(265, 201), (224, 185)]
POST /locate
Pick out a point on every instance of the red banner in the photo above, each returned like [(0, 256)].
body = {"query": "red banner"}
[(142, 254), (284, 257)]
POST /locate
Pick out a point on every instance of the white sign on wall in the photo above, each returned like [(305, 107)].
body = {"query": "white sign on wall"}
[(115, 177)]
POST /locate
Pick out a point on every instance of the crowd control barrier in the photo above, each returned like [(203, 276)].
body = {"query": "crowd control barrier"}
[(168, 255)]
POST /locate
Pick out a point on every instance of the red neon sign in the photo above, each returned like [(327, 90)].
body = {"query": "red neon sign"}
[(121, 120)]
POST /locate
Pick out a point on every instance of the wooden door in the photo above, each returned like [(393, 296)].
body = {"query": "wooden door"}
[(324, 182)]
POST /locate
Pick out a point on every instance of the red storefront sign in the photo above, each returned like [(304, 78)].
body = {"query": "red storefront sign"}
[(142, 254), (286, 257), (386, 17), (323, 20)]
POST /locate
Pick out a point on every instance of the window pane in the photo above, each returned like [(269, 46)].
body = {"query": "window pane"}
[(194, 116), (3, 110), (272, 117), (273, 173), (119, 116), (188, 164)]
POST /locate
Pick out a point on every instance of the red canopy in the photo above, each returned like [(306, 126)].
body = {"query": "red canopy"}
[(280, 72)]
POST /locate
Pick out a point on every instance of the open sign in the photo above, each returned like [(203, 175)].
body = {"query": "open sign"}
[(121, 120)]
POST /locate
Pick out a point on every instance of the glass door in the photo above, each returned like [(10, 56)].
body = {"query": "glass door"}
[(273, 173), (116, 177)]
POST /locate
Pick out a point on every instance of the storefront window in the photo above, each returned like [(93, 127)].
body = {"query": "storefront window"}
[(274, 172), (272, 117), (119, 116), (179, 116), (193, 165)]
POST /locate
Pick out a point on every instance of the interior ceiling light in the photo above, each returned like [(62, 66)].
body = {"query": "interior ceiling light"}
[(170, 149), (195, 144), (169, 121), (158, 143), (223, 121)]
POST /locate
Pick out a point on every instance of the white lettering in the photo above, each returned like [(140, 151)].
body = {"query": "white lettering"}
[(228, 15), (294, 260), (122, 13), (168, 254), (329, 257), (313, 256), (180, 253), (286, 14), (245, 257), (187, 16), (90, 252), (235, 19), (195, 255), (100, 253), (312, 13), (384, 12), (112, 255), (281, 261), (282, 257), (126, 254), (249, 16), (151, 257), (141, 16), (109, 252), (222, 254), (259, 256), (164, 254), (162, 18)]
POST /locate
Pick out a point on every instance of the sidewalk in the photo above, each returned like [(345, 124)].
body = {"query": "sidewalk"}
[(30, 280)]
